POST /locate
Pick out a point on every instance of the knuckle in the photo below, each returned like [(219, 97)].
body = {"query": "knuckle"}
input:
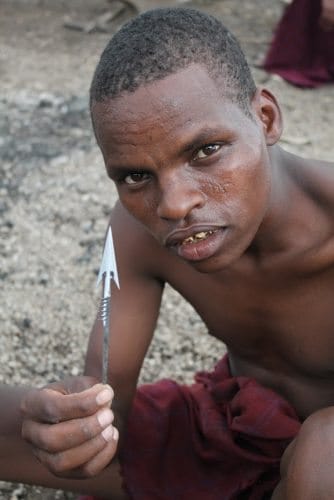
[(24, 407), (50, 412), (48, 460), (90, 470), (25, 430), (49, 440), (27, 402), (86, 430), (57, 463), (83, 406), (44, 438)]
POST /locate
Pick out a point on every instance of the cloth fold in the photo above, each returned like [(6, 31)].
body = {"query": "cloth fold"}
[(302, 52), (220, 438)]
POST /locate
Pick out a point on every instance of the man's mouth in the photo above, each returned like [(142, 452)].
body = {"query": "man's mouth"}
[(197, 244), (200, 236)]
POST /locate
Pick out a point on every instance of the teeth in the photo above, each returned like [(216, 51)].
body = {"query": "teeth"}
[(202, 235)]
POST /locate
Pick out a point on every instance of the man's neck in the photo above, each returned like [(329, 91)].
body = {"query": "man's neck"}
[(293, 222)]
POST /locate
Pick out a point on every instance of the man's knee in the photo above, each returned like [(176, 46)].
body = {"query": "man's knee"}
[(306, 466)]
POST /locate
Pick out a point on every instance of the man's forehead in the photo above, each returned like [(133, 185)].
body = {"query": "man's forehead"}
[(194, 79), (188, 91), (182, 131)]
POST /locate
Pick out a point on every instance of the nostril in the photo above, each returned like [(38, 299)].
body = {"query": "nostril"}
[(179, 204)]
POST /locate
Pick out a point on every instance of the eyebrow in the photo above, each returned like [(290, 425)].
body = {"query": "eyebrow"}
[(120, 170), (204, 136)]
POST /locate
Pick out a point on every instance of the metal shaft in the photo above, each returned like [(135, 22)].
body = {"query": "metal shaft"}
[(105, 343)]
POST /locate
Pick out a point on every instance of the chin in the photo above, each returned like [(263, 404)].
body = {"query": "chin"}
[(213, 265)]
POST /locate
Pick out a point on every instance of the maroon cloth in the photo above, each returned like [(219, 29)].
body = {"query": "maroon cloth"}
[(221, 438), (302, 52)]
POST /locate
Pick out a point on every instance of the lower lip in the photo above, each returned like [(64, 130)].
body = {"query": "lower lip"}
[(202, 249)]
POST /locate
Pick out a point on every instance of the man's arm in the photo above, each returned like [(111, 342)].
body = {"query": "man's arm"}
[(64, 431)]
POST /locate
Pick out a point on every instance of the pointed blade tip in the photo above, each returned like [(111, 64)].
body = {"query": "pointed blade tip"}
[(108, 264)]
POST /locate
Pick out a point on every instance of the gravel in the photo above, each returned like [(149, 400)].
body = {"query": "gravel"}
[(55, 198)]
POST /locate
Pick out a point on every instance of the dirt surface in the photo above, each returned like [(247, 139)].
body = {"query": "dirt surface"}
[(55, 197)]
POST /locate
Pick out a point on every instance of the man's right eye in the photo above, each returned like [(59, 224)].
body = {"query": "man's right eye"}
[(135, 178)]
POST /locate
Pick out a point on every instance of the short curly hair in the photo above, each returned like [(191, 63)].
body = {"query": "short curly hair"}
[(163, 41)]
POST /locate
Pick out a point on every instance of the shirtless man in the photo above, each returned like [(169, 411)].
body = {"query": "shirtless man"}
[(244, 231)]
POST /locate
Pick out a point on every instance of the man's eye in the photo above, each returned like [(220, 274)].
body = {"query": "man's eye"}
[(206, 151), (135, 178)]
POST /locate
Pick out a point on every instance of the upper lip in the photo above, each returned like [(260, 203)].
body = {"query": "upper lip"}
[(177, 236)]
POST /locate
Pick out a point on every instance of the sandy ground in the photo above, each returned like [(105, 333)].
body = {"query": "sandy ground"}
[(55, 198)]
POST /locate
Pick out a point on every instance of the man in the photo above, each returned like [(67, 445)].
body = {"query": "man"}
[(209, 203)]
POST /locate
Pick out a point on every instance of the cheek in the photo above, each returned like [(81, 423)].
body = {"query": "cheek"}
[(255, 191), (140, 206), (214, 188), (244, 190)]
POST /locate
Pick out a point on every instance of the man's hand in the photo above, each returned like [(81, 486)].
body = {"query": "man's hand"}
[(69, 425)]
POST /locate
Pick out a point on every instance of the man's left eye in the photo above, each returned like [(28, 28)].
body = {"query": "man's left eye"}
[(206, 151), (135, 178)]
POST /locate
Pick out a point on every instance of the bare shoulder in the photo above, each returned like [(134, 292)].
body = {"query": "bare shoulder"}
[(319, 181), (318, 178), (314, 209)]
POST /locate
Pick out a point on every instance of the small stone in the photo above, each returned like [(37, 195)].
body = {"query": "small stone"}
[(26, 323)]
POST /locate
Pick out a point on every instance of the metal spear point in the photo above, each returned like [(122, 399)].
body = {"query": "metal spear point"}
[(108, 271)]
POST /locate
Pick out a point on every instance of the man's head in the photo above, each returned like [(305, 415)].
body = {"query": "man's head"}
[(163, 41), (185, 135)]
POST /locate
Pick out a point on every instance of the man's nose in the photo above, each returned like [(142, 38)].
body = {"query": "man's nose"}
[(178, 198)]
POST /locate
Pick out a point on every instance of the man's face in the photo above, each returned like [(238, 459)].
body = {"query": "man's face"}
[(189, 165)]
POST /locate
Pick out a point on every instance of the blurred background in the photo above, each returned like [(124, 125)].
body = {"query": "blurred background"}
[(55, 197)]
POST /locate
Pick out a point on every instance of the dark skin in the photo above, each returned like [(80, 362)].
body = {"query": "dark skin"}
[(211, 204)]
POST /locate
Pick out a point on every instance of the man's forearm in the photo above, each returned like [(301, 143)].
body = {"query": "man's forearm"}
[(12, 446), (10, 416)]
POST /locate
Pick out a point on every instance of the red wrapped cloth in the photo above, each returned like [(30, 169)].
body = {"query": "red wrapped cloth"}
[(302, 52), (220, 438)]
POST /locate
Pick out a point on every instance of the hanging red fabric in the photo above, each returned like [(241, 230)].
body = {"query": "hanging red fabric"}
[(302, 50)]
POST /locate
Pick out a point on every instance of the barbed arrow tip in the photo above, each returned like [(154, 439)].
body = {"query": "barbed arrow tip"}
[(108, 264)]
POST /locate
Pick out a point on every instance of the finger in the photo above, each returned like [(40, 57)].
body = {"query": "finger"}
[(74, 462), (70, 385), (103, 458), (48, 405), (55, 438)]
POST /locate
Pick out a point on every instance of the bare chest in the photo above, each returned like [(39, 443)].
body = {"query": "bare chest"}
[(277, 328)]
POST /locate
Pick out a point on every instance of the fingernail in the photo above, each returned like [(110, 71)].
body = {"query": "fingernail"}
[(115, 434), (104, 396), (105, 417), (108, 433)]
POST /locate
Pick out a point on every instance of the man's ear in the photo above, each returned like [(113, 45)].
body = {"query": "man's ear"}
[(267, 110)]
